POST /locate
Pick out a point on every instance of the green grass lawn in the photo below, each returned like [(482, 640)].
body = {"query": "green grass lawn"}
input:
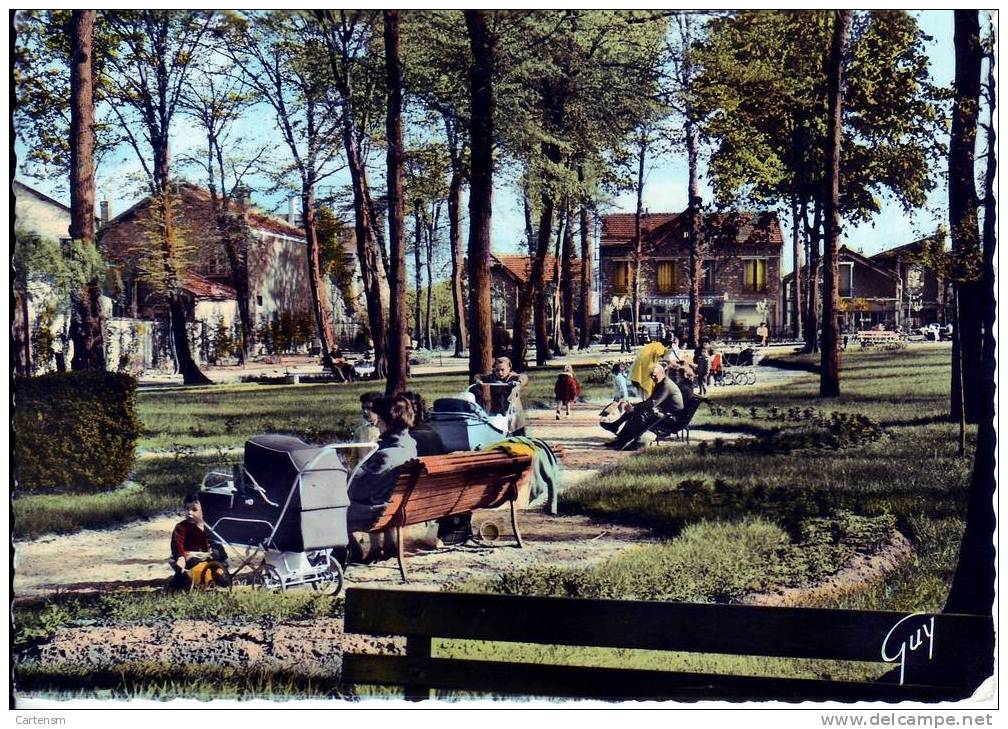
[(227, 415), (887, 457)]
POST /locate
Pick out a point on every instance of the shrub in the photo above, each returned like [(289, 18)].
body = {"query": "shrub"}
[(74, 431)]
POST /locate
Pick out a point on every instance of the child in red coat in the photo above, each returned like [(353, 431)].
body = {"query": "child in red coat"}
[(567, 389), (195, 560)]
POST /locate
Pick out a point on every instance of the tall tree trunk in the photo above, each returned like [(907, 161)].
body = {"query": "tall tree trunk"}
[(586, 274), (967, 346), (233, 236), (481, 95), (989, 309), (693, 222), (397, 366), (86, 326), (428, 255), (519, 343), (556, 328), (797, 303), (567, 282), (417, 273), (21, 332), (638, 255), (530, 236), (316, 280), (829, 374), (185, 364), (812, 282), (972, 589), (455, 239)]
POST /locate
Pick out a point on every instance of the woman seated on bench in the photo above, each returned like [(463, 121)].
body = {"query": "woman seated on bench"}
[(373, 483)]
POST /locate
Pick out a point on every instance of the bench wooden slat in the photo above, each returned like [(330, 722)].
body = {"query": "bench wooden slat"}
[(850, 635), (466, 500), (524, 679)]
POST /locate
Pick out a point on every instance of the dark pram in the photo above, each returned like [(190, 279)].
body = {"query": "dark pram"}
[(285, 506), (465, 426)]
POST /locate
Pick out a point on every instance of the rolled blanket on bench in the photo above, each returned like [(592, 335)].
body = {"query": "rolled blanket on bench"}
[(546, 468)]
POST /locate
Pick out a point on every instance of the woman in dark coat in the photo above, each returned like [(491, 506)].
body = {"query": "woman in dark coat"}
[(372, 485)]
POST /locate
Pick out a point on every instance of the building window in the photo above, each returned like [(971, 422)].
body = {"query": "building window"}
[(846, 277), (709, 277), (666, 277), (258, 300), (621, 279), (754, 275)]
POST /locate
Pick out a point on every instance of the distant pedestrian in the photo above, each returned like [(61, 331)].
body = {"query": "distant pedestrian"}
[(567, 389), (701, 364), (763, 333), (624, 334)]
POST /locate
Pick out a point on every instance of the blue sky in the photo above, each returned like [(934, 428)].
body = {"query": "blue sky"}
[(664, 190)]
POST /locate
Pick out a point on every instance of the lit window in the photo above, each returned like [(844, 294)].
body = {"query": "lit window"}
[(846, 270), (622, 277), (754, 275), (666, 277)]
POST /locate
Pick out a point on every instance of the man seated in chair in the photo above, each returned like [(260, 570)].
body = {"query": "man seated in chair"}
[(665, 400)]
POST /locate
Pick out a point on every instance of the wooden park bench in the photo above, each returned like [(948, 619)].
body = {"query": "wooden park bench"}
[(871, 338), (931, 657), (436, 487)]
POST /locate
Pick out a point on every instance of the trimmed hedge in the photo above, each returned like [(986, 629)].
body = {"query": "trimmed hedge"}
[(74, 431)]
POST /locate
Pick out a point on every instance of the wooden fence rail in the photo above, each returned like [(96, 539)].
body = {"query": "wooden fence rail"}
[(934, 657)]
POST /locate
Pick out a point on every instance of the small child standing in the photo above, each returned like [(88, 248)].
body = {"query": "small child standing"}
[(194, 560), (567, 389)]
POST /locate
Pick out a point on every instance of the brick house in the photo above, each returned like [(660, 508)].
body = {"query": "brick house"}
[(509, 275), (926, 296), (889, 288), (742, 270), (274, 248)]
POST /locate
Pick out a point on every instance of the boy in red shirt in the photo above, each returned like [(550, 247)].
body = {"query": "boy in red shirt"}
[(193, 558)]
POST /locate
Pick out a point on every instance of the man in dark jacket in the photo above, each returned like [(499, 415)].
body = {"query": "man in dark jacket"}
[(665, 399)]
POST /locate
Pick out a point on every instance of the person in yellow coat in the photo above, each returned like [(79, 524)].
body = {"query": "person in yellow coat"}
[(650, 355)]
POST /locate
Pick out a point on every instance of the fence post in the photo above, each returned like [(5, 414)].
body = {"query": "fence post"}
[(418, 647)]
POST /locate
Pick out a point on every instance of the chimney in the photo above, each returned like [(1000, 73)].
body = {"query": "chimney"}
[(104, 213), (242, 196), (291, 214)]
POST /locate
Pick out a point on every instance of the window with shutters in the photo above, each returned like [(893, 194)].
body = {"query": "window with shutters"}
[(755, 275), (666, 277)]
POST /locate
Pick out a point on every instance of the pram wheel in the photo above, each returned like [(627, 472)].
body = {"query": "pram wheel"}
[(330, 581), (267, 578)]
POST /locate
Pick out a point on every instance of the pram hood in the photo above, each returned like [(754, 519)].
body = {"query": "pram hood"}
[(280, 452), (302, 503)]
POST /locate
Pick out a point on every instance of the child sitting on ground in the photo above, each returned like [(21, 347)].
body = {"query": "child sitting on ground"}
[(567, 389), (193, 558)]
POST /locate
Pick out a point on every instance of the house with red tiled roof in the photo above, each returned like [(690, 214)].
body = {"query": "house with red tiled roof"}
[(742, 274), (274, 249), (510, 273)]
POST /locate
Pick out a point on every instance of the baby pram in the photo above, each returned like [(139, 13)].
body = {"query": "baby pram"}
[(738, 368), (284, 509), (465, 426)]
